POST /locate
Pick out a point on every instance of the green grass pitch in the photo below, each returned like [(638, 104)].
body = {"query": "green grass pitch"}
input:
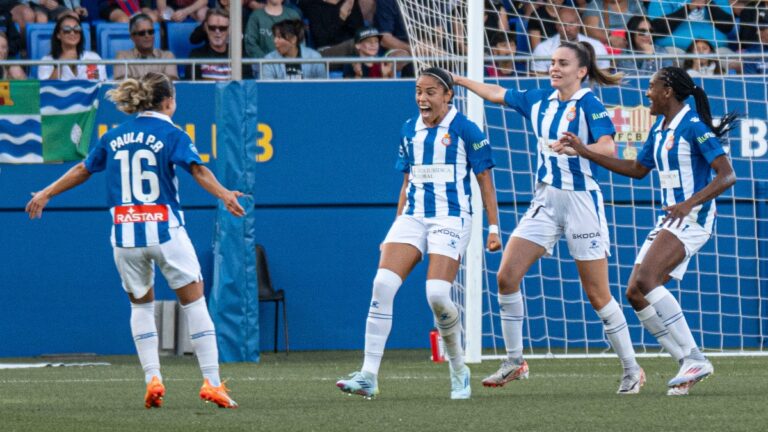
[(296, 392)]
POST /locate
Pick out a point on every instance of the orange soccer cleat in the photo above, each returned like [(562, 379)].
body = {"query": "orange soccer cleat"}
[(217, 395), (155, 393)]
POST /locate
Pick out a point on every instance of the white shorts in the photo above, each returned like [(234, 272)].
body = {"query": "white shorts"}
[(443, 235), (176, 258), (579, 215), (692, 235)]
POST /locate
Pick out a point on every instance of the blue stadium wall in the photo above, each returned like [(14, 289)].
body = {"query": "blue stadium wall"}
[(327, 193)]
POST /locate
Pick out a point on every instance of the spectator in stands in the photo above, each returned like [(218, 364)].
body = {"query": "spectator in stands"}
[(20, 13), (288, 38), (502, 45), (67, 43), (756, 65), (10, 34), (568, 29), (8, 72), (50, 10), (123, 10), (697, 67), (180, 10), (606, 21), (685, 21), (752, 14), (332, 25), (639, 41), (217, 46), (542, 23), (389, 21), (143, 36), (367, 44), (258, 32), (199, 36)]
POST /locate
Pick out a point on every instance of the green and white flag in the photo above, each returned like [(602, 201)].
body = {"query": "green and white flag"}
[(47, 121)]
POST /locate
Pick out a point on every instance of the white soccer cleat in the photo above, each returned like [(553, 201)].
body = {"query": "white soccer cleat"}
[(460, 386), (360, 383), (632, 382), (508, 371), (691, 372)]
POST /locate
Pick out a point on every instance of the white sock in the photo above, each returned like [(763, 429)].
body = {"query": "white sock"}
[(511, 312), (379, 322), (672, 316), (616, 329), (144, 333), (655, 326), (447, 319), (203, 336)]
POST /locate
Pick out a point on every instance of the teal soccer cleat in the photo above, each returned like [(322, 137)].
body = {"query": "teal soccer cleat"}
[(460, 387)]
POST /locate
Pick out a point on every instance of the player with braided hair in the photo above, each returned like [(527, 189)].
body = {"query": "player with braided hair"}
[(684, 147)]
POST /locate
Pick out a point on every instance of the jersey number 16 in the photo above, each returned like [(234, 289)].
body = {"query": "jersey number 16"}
[(133, 179)]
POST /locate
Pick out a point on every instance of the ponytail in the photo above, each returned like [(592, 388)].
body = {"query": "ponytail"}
[(585, 52), (145, 94), (683, 87)]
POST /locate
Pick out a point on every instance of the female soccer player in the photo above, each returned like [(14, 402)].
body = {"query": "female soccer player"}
[(567, 201), (437, 149), (684, 146), (139, 157)]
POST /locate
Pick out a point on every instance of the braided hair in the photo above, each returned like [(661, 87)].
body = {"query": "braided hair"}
[(683, 87)]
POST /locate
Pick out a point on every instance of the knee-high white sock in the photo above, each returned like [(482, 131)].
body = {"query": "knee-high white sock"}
[(144, 333), (511, 311), (447, 319), (672, 315), (655, 326), (379, 322), (203, 336), (616, 330)]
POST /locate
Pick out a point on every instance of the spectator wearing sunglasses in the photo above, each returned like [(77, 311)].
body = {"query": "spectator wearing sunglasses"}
[(143, 36), (639, 39), (217, 46), (67, 43)]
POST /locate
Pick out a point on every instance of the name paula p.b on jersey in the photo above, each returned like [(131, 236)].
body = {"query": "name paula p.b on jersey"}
[(136, 138)]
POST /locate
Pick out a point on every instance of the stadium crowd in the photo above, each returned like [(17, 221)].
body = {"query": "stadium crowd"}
[(317, 30)]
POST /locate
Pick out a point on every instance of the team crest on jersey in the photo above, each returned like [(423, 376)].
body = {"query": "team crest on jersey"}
[(670, 141), (446, 140), (571, 114)]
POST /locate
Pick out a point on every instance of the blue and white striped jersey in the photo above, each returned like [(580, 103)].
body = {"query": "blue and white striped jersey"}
[(682, 155), (583, 115), (142, 188), (438, 161)]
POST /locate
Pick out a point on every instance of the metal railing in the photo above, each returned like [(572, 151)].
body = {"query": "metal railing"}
[(396, 61)]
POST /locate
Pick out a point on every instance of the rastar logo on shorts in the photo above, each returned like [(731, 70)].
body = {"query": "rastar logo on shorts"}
[(141, 213)]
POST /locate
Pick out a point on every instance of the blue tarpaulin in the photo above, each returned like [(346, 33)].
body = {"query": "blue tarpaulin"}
[(234, 297)]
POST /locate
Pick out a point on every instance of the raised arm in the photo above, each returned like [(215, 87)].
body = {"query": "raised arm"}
[(76, 176), (724, 179), (629, 168), (488, 193), (205, 178), (490, 92)]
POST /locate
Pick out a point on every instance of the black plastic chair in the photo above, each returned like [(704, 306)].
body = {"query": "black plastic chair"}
[(267, 292)]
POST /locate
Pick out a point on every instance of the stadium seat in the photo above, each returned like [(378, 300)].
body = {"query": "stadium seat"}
[(267, 292), (178, 38), (113, 37), (39, 41)]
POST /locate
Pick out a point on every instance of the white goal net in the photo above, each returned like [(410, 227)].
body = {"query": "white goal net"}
[(725, 291)]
